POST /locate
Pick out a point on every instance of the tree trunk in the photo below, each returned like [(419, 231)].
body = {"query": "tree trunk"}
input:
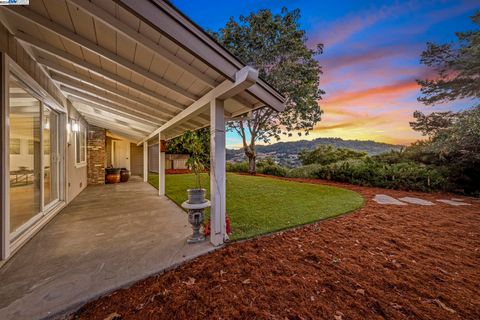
[(252, 163)]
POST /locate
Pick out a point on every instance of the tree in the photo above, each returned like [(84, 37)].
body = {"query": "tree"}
[(201, 139), (275, 45), (453, 137), (327, 154), (457, 66), (431, 124)]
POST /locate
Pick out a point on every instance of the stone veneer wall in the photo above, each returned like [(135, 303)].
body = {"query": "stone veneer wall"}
[(96, 155)]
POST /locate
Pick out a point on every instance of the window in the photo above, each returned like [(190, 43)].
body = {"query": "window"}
[(31, 146), (81, 145), (14, 146)]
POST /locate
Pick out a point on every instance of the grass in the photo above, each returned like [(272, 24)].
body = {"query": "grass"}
[(259, 205)]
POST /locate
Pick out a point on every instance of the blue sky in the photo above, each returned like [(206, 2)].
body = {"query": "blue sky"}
[(371, 58)]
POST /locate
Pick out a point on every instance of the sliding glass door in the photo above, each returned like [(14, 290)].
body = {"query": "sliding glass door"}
[(34, 151), (25, 154)]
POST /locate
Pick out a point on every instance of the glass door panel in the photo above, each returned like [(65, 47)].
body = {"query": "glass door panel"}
[(25, 171), (50, 156)]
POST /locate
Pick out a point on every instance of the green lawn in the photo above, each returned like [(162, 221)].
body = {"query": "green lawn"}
[(259, 205)]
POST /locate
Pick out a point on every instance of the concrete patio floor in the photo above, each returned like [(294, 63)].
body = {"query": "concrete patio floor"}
[(108, 237)]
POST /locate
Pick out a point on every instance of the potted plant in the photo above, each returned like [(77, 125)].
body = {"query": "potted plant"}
[(193, 144), (112, 175)]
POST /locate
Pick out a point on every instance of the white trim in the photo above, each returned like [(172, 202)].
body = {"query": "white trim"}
[(4, 161), (41, 160), (79, 164), (217, 173), (161, 167), (145, 161)]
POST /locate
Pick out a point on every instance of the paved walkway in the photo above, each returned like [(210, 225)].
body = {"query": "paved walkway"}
[(388, 200), (108, 237)]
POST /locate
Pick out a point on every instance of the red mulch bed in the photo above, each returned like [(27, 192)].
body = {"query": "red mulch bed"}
[(380, 262), (177, 171)]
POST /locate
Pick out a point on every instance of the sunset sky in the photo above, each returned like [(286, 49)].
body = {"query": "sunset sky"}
[(370, 61)]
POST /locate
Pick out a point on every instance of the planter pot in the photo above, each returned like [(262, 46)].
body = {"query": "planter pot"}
[(112, 175), (124, 175), (196, 196)]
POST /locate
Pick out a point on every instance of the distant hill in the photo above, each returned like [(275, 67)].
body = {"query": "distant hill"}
[(281, 150)]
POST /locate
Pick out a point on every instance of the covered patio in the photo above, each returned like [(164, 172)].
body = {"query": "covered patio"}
[(108, 237), (79, 74), (139, 71)]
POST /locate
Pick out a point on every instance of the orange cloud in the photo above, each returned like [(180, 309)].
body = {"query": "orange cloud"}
[(393, 90)]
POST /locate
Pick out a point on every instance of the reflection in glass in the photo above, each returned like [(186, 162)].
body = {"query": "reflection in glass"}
[(50, 155), (24, 154)]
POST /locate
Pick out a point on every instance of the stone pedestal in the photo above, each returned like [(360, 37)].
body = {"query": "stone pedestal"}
[(195, 218)]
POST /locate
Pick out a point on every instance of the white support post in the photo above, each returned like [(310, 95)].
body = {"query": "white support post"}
[(217, 173), (145, 161), (161, 167)]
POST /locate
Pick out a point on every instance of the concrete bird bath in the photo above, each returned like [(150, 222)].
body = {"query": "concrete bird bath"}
[(196, 217)]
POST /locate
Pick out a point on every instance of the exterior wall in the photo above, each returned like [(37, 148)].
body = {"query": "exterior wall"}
[(96, 155), (136, 159), (108, 152), (76, 175)]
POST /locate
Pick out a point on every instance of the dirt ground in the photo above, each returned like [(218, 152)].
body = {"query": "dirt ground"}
[(379, 262)]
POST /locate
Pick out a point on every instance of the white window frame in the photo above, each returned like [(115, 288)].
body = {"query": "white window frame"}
[(79, 164)]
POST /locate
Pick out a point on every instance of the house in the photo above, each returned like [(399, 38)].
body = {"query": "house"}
[(85, 84)]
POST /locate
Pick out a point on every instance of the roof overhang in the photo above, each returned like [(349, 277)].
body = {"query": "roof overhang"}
[(136, 67)]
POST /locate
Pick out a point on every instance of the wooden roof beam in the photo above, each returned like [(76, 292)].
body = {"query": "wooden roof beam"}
[(95, 48), (127, 31), (41, 45)]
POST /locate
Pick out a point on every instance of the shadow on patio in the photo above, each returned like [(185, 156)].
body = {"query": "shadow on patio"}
[(108, 237)]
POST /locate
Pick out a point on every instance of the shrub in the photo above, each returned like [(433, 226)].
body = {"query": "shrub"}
[(273, 170), (308, 171), (328, 154), (367, 172), (237, 167)]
